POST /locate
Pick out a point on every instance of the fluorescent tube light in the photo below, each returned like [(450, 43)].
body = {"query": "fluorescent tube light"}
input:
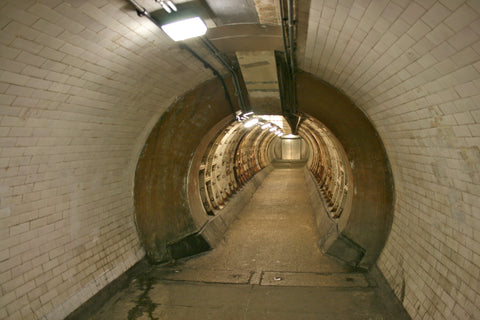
[(165, 7), (171, 5), (185, 29)]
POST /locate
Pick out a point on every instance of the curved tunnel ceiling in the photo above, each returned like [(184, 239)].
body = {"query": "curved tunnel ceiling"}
[(83, 83)]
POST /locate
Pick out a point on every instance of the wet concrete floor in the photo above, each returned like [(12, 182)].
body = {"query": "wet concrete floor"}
[(267, 267)]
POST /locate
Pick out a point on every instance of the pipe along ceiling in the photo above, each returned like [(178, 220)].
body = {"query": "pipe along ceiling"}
[(264, 77)]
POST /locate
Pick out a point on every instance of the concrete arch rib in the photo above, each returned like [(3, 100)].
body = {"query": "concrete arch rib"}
[(162, 212), (371, 215)]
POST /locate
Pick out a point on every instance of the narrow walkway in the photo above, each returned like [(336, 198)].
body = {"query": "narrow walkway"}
[(267, 267), (275, 232)]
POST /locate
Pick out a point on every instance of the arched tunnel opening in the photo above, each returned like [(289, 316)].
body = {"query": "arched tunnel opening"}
[(236, 152), (200, 167), (223, 205)]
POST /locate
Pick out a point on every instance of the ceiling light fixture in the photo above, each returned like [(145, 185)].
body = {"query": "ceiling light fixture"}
[(171, 5), (166, 7), (185, 29), (178, 25)]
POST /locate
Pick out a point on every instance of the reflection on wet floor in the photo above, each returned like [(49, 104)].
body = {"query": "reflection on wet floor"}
[(267, 267)]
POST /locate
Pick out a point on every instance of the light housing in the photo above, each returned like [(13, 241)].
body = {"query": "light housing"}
[(185, 29)]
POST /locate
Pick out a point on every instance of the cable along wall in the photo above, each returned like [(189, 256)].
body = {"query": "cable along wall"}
[(329, 165)]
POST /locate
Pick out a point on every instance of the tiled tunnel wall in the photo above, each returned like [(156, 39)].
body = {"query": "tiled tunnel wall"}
[(83, 82), (414, 68), (81, 85)]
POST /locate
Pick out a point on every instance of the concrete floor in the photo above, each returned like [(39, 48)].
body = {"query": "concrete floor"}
[(267, 267)]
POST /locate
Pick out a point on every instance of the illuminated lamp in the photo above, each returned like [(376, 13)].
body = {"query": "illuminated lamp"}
[(185, 28), (250, 123)]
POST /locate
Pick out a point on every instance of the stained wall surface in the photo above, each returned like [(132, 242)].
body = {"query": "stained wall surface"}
[(82, 83), (371, 217), (162, 209)]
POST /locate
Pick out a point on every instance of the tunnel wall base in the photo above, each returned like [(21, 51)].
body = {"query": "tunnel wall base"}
[(345, 249), (89, 308), (331, 240), (213, 231), (215, 228)]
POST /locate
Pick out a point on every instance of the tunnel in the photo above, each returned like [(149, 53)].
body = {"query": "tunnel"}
[(218, 162), (301, 159)]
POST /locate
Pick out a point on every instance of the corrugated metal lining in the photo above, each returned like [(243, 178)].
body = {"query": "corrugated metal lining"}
[(232, 158), (329, 165)]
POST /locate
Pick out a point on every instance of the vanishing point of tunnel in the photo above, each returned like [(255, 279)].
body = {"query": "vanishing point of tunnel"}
[(295, 159)]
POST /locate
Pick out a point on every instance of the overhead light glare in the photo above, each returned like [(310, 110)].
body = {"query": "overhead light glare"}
[(266, 126), (250, 123), (166, 7), (273, 129), (171, 5), (185, 29)]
